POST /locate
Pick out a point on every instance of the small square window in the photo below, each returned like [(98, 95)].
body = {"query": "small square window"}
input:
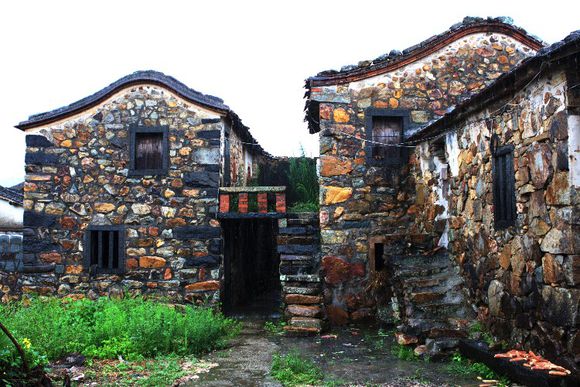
[(504, 192), (385, 130), (104, 250), (149, 150)]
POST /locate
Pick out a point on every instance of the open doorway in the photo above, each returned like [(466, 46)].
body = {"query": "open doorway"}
[(251, 267)]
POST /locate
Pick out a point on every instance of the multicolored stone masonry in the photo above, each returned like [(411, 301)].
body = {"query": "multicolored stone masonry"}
[(78, 177), (523, 280), (360, 201)]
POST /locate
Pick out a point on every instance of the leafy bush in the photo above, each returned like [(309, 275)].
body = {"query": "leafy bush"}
[(11, 367), (303, 184), (293, 370), (132, 328)]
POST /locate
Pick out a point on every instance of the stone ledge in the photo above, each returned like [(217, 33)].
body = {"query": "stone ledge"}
[(300, 278)]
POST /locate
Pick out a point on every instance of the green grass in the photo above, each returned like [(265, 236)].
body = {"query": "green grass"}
[(403, 352), (274, 327), (294, 370), (304, 207), (477, 331), (105, 329), (460, 365), (162, 371)]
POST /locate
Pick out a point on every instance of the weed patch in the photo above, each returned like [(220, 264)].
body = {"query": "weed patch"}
[(404, 352), (274, 327), (105, 329), (462, 366), (294, 370)]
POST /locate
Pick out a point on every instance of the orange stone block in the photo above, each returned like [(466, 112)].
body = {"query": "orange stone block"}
[(74, 269), (203, 286), (243, 203), (224, 203), (151, 262), (280, 202), (340, 115), (334, 166), (52, 257), (131, 263), (262, 202)]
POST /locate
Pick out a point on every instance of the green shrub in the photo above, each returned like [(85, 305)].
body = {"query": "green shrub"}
[(303, 184), (294, 370), (132, 328)]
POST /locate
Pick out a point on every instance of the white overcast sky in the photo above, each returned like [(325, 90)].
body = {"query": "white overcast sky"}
[(254, 55)]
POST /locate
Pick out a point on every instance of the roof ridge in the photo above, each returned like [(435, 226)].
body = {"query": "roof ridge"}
[(395, 56), (133, 78)]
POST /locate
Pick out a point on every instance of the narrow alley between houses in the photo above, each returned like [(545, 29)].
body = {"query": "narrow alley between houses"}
[(357, 355)]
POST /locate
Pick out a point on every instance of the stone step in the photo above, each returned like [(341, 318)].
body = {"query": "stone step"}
[(296, 269), (302, 222), (413, 261), (297, 249), (300, 278), (433, 280), (296, 258), (300, 289), (439, 311), (444, 285), (302, 299), (305, 322), (299, 230), (300, 331), (303, 310)]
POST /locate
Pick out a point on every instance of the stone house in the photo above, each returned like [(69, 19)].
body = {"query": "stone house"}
[(11, 212), (448, 187), (121, 192), (501, 171)]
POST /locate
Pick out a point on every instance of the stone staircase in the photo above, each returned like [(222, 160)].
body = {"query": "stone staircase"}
[(298, 245), (429, 290)]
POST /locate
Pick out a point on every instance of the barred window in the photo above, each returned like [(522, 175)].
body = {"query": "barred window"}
[(104, 249)]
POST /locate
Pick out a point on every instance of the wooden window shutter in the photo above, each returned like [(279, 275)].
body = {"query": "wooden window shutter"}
[(149, 151), (387, 130), (504, 197)]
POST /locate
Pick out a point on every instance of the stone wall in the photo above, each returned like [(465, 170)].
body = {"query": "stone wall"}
[(523, 280), (77, 175), (359, 201)]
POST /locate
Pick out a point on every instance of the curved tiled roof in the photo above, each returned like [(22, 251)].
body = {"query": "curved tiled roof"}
[(12, 196), (145, 77), (397, 59)]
